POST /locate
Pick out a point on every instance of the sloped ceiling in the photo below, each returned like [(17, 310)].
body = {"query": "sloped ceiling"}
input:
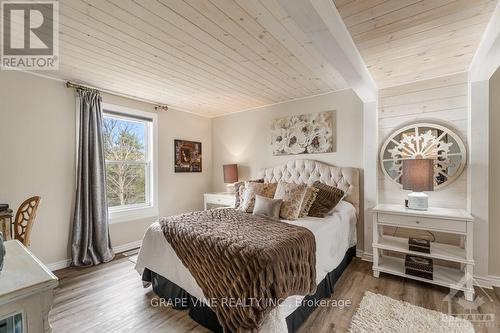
[(403, 41)]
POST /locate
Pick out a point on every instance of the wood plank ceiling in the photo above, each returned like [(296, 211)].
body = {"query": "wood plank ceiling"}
[(403, 41), (214, 57), (209, 57)]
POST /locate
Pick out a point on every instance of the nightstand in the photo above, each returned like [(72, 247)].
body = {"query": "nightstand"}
[(443, 220), (221, 199)]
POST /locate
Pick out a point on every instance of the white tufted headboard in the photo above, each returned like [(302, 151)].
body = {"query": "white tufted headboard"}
[(308, 171)]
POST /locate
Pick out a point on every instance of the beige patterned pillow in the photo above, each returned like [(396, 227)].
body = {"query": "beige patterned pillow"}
[(251, 190), (239, 196), (292, 196), (311, 194), (239, 187)]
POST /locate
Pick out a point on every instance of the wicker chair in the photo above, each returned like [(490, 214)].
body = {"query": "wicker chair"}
[(25, 217)]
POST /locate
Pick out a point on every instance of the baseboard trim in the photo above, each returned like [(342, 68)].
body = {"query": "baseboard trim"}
[(127, 247), (59, 265), (365, 256), (483, 282), (117, 249), (368, 256), (494, 280)]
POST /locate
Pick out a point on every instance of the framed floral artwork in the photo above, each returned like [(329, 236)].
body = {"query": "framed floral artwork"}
[(310, 133)]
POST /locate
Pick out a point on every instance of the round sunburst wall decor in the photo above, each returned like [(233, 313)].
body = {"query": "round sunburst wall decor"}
[(424, 140)]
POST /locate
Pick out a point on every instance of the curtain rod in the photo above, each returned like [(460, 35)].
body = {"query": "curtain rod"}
[(157, 107)]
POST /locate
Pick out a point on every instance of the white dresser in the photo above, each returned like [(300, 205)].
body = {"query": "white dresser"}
[(443, 220), (220, 199), (26, 291)]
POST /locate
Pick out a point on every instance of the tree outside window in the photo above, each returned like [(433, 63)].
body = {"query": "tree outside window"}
[(127, 161)]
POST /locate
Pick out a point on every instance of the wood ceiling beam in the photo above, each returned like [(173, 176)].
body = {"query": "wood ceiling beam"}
[(487, 57), (321, 22)]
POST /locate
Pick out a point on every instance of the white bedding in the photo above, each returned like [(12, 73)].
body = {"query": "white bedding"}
[(334, 235)]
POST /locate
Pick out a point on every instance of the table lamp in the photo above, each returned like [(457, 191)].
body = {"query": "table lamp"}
[(418, 176), (230, 175)]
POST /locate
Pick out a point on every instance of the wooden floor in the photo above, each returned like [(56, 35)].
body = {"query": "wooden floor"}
[(110, 298)]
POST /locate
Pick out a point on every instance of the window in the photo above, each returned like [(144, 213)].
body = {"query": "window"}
[(129, 149)]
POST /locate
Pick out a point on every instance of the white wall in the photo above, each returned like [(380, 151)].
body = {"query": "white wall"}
[(244, 138), (494, 176), (454, 102), (37, 157), (370, 181), (443, 101), (478, 173), (37, 152)]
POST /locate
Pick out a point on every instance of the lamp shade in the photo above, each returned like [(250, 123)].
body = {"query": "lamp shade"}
[(230, 173), (418, 175)]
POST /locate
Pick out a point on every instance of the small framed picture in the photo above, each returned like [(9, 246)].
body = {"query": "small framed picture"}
[(187, 156)]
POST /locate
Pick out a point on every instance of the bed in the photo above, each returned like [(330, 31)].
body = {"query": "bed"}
[(335, 237)]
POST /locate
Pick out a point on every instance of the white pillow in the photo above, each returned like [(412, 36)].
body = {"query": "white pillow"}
[(267, 207)]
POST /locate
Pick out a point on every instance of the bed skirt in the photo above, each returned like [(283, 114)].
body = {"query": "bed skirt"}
[(179, 299)]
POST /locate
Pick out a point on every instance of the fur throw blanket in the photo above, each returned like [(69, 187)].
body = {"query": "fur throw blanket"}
[(246, 263)]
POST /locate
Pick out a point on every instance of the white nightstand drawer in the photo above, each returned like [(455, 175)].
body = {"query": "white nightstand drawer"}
[(423, 222), (219, 199), (222, 200)]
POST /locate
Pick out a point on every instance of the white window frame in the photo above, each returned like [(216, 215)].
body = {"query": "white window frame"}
[(127, 213)]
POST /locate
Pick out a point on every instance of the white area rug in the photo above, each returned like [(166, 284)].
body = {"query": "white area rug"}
[(378, 313)]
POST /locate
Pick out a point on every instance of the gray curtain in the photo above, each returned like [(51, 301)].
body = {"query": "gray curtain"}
[(90, 244)]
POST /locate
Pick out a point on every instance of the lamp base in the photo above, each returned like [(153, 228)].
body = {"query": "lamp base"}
[(418, 201), (230, 188)]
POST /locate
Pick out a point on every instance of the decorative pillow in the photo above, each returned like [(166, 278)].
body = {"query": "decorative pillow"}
[(292, 195), (239, 196), (309, 198), (328, 197), (239, 187), (267, 207), (251, 190)]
